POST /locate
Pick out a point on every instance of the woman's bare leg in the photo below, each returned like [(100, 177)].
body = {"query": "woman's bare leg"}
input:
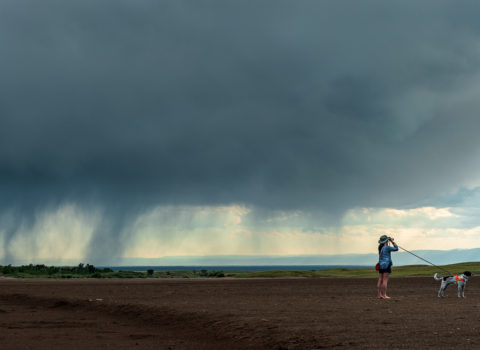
[(379, 286), (383, 288)]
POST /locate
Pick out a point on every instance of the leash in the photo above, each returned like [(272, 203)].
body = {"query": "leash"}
[(438, 267)]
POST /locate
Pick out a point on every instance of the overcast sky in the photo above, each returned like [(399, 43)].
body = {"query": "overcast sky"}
[(156, 128)]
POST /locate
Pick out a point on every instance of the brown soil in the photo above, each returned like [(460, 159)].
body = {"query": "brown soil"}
[(235, 314)]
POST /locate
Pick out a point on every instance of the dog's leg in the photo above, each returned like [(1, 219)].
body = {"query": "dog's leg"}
[(461, 290), (441, 292)]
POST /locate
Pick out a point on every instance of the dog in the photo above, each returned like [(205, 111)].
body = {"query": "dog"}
[(459, 280)]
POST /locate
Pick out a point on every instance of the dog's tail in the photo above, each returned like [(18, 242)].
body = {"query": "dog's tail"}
[(437, 278)]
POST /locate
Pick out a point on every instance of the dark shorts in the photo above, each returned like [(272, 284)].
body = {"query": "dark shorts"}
[(388, 269)]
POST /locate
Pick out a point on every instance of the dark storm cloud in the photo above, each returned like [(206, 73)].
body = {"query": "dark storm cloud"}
[(275, 104)]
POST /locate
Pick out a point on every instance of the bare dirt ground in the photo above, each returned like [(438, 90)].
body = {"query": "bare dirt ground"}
[(236, 314)]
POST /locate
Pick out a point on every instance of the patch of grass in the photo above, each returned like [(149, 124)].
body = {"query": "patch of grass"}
[(427, 270), (124, 274), (400, 271)]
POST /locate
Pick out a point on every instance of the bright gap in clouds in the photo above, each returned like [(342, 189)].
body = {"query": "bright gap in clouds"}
[(63, 234), (178, 231)]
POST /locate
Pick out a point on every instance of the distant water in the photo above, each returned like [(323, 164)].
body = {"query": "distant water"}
[(246, 268)]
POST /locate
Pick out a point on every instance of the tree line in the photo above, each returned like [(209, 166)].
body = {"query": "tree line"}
[(41, 269)]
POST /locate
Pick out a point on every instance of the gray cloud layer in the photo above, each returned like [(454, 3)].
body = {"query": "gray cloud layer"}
[(276, 104)]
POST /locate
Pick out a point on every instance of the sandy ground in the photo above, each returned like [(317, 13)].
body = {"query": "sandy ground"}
[(236, 314)]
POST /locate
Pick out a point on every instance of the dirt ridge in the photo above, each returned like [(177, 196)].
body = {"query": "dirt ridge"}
[(199, 325)]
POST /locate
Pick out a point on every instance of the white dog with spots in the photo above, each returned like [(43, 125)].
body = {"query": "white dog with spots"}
[(459, 280)]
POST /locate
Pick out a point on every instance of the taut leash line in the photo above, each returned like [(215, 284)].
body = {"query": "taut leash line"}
[(438, 267)]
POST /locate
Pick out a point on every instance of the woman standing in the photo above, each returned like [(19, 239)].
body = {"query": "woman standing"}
[(385, 261)]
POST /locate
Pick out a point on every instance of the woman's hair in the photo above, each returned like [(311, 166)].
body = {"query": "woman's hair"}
[(380, 246)]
